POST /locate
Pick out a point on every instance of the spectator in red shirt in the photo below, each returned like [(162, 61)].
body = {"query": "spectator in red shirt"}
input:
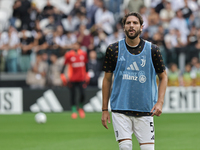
[(76, 77), (85, 38)]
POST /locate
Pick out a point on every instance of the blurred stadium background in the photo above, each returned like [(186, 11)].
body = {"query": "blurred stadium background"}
[(37, 33)]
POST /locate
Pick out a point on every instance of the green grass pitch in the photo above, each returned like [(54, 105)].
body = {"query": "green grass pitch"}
[(21, 132)]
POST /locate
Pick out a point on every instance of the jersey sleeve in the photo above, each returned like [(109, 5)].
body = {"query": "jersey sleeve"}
[(157, 59), (110, 58), (86, 57), (66, 58)]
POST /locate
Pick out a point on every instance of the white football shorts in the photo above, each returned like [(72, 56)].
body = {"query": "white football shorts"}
[(142, 127)]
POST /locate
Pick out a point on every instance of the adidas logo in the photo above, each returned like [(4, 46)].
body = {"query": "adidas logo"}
[(95, 103), (47, 103), (133, 66), (122, 58)]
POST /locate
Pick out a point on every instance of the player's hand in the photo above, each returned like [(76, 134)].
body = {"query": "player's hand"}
[(105, 117), (63, 78), (157, 109), (87, 78)]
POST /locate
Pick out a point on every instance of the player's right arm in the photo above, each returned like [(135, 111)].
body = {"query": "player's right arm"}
[(108, 66), (63, 76), (106, 89)]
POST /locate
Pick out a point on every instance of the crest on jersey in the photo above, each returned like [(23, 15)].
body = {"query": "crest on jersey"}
[(81, 57), (73, 59), (142, 77), (143, 61)]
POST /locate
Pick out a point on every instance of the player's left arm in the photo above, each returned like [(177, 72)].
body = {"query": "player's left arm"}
[(87, 77), (157, 108), (162, 75), (63, 76)]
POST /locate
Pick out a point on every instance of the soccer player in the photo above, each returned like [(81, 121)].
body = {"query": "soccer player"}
[(76, 77), (134, 99)]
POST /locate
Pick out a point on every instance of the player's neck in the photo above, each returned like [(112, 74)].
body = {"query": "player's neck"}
[(133, 42), (76, 51)]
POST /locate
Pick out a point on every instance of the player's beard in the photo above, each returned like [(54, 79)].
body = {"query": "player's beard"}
[(138, 32)]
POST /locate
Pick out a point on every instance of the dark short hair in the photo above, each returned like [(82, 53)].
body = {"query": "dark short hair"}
[(133, 14)]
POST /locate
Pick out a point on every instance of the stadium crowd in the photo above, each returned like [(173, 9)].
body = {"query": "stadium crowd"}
[(36, 38)]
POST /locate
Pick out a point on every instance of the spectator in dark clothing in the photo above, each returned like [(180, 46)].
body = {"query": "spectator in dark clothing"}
[(91, 14), (186, 11), (51, 26), (26, 44), (48, 10), (39, 42), (160, 6), (21, 11), (94, 68), (35, 14), (16, 15), (79, 7)]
